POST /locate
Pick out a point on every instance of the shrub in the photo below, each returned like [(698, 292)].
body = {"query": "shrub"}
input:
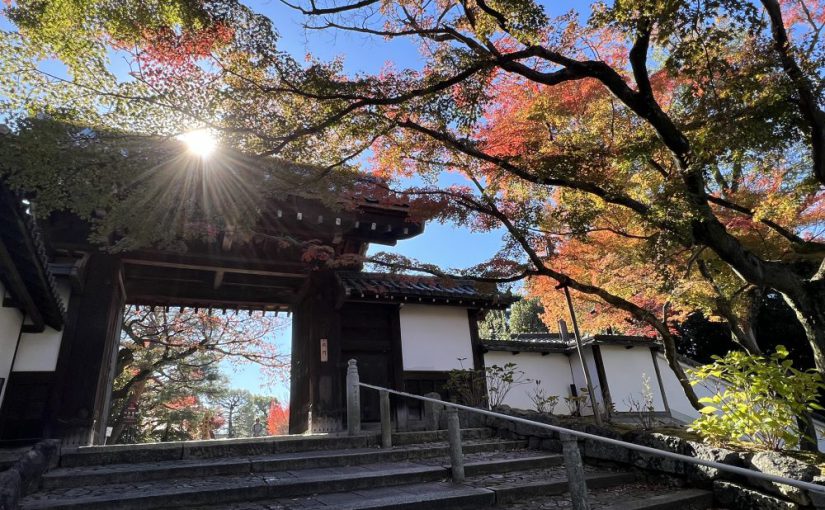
[(543, 402), (467, 386), (575, 404), (756, 399), (500, 380)]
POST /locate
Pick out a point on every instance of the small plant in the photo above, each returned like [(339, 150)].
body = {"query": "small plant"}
[(500, 380), (644, 408), (575, 403), (543, 402), (466, 386), (757, 399)]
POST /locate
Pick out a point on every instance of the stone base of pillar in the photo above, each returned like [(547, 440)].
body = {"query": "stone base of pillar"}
[(327, 422)]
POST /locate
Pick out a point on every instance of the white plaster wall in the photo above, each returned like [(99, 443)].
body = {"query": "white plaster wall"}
[(553, 370), (680, 406), (434, 338), (38, 352), (10, 321), (625, 370)]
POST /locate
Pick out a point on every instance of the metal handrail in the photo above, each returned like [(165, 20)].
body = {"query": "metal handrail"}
[(630, 446)]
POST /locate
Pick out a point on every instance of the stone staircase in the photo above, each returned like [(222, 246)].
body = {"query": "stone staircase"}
[(334, 472)]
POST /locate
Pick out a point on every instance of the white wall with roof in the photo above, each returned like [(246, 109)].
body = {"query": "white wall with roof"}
[(559, 371), (27, 352), (623, 367)]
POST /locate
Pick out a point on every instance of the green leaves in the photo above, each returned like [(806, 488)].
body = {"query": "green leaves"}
[(755, 399)]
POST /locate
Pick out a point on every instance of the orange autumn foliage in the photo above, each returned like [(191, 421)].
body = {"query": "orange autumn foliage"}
[(277, 420)]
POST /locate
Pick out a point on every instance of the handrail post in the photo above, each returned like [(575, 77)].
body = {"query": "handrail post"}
[(454, 435), (575, 472), (386, 423), (353, 399)]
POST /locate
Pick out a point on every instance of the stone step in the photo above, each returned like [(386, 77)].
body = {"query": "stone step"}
[(608, 496), (424, 496), (419, 496), (215, 448), (188, 492), (686, 499), (146, 471), (517, 490)]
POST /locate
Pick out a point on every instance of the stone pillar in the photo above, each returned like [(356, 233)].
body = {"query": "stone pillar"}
[(432, 411), (353, 399), (456, 453), (575, 472), (386, 420)]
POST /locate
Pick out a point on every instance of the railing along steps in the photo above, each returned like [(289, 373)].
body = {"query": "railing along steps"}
[(306, 472)]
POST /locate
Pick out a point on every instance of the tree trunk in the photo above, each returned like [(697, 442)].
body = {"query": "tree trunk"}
[(808, 302), (742, 330), (808, 442), (746, 327), (673, 362)]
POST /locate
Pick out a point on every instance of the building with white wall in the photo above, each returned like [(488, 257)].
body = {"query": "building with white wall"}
[(32, 313), (624, 370)]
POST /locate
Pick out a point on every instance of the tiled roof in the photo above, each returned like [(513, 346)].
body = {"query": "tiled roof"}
[(24, 263), (552, 342), (423, 289)]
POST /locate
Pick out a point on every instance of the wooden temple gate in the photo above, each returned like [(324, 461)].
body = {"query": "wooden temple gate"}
[(338, 311)]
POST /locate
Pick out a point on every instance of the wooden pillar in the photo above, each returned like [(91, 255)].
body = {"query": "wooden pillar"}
[(318, 371), (602, 375), (299, 369), (85, 365)]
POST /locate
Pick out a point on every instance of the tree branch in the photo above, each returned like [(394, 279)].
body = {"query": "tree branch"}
[(808, 102)]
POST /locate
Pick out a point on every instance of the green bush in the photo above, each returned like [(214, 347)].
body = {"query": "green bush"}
[(756, 399), (467, 386)]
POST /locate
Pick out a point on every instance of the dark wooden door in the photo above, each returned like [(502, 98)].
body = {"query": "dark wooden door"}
[(367, 335)]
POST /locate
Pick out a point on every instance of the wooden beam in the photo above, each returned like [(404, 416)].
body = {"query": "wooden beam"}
[(229, 268), (149, 292)]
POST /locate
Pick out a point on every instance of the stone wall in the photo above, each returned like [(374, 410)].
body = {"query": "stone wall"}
[(24, 474), (730, 490)]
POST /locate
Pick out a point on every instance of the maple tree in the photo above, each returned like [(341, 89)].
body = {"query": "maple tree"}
[(277, 420), (655, 158), (650, 183), (168, 368)]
